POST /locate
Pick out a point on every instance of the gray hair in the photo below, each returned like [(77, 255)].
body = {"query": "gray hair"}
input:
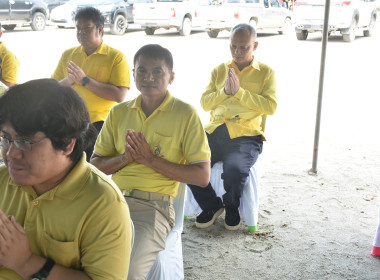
[(244, 26)]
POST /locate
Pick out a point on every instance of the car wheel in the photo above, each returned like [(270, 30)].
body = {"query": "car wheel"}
[(213, 33), (38, 21), (61, 26), (351, 34), (119, 26), (9, 26), (149, 31), (302, 35), (185, 29), (285, 29), (371, 26)]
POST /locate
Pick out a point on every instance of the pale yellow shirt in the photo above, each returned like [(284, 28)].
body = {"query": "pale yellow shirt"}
[(173, 131), (83, 223), (243, 112), (105, 65), (9, 65)]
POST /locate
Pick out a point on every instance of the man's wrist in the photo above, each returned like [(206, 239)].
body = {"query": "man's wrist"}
[(85, 81)]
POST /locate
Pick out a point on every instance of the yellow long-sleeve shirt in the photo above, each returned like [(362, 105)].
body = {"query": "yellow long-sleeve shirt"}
[(242, 112)]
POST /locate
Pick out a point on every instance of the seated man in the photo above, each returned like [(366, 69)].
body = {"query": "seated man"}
[(9, 65), (150, 144), (239, 93), (60, 218)]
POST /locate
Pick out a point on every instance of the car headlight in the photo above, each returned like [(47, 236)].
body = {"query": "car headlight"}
[(105, 8)]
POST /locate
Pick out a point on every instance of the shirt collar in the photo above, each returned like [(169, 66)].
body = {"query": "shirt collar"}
[(70, 187), (166, 105), (102, 49), (254, 64)]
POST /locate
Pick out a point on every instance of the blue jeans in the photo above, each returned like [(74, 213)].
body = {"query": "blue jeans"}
[(238, 156)]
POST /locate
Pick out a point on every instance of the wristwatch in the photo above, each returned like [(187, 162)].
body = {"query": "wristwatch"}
[(85, 81), (44, 272)]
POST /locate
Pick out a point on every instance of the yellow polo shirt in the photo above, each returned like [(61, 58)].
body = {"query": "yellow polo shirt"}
[(173, 131), (9, 65), (243, 112), (83, 223), (106, 65)]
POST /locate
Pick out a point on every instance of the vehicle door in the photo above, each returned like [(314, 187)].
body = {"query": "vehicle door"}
[(273, 14), (366, 7), (153, 10), (214, 12), (20, 9), (4, 10)]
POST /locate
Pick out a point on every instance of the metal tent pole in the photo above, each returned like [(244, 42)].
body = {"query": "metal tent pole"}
[(313, 170)]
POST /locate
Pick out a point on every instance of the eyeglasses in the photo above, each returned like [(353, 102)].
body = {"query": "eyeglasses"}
[(21, 144), (85, 30)]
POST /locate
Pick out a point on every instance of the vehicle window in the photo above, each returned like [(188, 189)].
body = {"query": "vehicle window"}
[(275, 4)]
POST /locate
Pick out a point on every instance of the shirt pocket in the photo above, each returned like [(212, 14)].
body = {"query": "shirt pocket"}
[(163, 146), (65, 253), (252, 87)]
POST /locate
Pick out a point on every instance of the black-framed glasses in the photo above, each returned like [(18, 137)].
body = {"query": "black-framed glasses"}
[(21, 144)]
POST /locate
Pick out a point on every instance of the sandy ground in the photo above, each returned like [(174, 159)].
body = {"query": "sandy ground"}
[(310, 227)]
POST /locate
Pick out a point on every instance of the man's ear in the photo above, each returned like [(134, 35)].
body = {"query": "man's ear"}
[(255, 44), (70, 147), (172, 75)]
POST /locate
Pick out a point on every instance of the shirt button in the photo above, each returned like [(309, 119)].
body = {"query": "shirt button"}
[(35, 203)]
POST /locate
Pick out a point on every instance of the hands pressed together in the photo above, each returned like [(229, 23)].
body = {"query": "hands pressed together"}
[(74, 73), (14, 243), (137, 148), (232, 84)]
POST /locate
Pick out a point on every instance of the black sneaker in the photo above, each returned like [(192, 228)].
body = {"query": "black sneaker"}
[(207, 218), (232, 220)]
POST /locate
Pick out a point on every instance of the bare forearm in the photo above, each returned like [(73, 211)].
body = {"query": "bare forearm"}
[(8, 84), (58, 272), (66, 82), (195, 174), (109, 165), (107, 91)]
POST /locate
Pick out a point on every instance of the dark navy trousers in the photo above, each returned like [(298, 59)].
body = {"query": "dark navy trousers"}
[(238, 156)]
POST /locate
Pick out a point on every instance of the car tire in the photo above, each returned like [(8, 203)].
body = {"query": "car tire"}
[(186, 26), (351, 32), (371, 26), (61, 26), (149, 31), (9, 26), (213, 33), (38, 21), (119, 26), (302, 36), (285, 29)]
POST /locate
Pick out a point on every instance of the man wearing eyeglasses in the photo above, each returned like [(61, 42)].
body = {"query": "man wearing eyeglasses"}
[(99, 73), (60, 218)]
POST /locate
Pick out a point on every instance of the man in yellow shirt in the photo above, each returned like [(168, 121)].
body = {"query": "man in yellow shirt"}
[(238, 95), (150, 144), (9, 65), (60, 218), (99, 73)]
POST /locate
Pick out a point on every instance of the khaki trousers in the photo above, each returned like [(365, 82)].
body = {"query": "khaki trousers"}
[(153, 220)]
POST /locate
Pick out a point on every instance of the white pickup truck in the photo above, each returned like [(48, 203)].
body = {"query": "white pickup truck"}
[(218, 15), (155, 14)]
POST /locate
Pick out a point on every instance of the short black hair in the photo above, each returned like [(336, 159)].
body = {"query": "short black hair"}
[(155, 51), (47, 106), (90, 13), (246, 27)]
